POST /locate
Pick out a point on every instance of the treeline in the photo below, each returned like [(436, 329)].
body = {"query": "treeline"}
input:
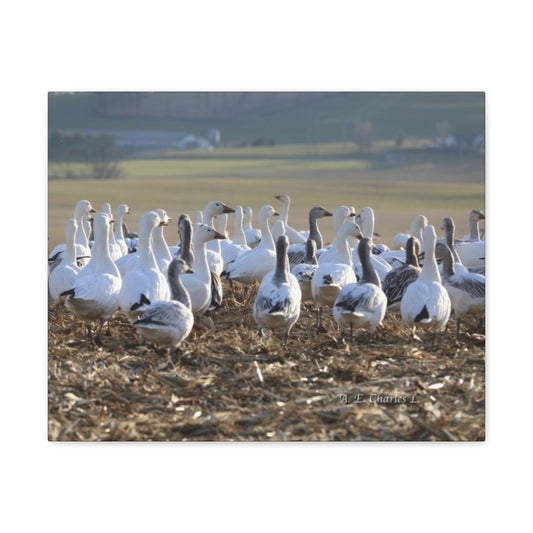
[(100, 151)]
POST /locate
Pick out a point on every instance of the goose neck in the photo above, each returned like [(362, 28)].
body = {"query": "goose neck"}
[(267, 241), (146, 253), (200, 264), (430, 270), (238, 231), (474, 231), (178, 291), (314, 232)]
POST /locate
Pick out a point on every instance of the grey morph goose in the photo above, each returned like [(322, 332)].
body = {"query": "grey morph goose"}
[(397, 280), (277, 304), (465, 289), (296, 252), (361, 305)]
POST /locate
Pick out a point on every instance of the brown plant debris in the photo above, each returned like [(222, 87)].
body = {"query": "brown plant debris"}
[(227, 383)]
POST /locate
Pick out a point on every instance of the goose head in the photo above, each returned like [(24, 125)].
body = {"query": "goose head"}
[(83, 207), (216, 207), (283, 198), (177, 267), (149, 221), (350, 229), (123, 209), (266, 212), (476, 214), (278, 229), (106, 208), (205, 233), (418, 224), (448, 225), (165, 219), (341, 214), (319, 212)]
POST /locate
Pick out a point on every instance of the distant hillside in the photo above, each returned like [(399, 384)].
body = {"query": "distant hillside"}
[(242, 117)]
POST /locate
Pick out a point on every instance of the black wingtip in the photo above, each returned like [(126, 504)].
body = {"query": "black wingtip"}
[(70, 292), (142, 301), (422, 315)]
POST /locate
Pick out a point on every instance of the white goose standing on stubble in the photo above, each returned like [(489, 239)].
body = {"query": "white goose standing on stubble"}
[(122, 210), (64, 275), (277, 304), (95, 294), (81, 240), (330, 277), (426, 302), (295, 237), (144, 283), (254, 265)]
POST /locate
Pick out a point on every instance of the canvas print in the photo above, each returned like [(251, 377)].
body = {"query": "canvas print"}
[(266, 266)]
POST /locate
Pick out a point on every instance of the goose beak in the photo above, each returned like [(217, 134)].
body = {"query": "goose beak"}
[(352, 215), (481, 217), (328, 214), (276, 214), (228, 209), (277, 197), (359, 237), (189, 271), (219, 235), (163, 223), (169, 219), (92, 210)]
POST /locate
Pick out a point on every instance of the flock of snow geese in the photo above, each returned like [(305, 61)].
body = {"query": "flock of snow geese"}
[(164, 289)]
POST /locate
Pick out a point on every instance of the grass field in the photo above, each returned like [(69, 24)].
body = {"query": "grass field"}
[(333, 174)]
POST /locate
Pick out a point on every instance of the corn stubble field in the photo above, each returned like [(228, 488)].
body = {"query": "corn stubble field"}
[(227, 383)]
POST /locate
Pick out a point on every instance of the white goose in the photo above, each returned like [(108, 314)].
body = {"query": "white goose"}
[(144, 283), (232, 249), (253, 235), (211, 210), (465, 289), (361, 305), (472, 254), (397, 280), (426, 302), (160, 246), (297, 251), (95, 294), (160, 249), (169, 322), (277, 304), (295, 237), (305, 271), (115, 250), (367, 228), (331, 277), (64, 275), (199, 284), (475, 216), (330, 253), (122, 210), (81, 240), (399, 241), (254, 265)]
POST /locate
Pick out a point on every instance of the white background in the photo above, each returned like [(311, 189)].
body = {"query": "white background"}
[(274, 45)]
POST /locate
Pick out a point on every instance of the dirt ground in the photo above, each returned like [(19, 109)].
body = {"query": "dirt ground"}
[(227, 383)]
